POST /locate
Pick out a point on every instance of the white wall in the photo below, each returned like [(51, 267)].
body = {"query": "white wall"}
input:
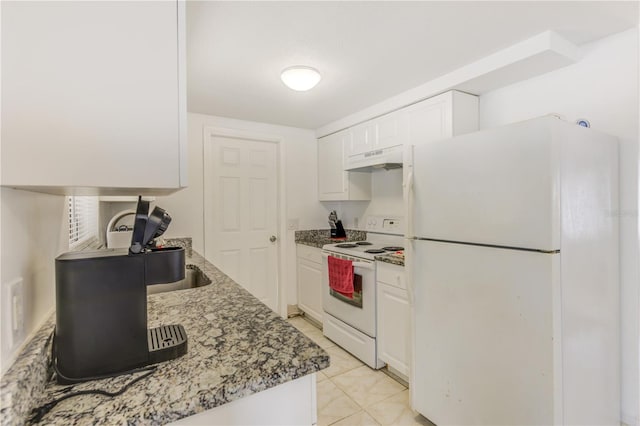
[(33, 233), (603, 88), (386, 200), (299, 164)]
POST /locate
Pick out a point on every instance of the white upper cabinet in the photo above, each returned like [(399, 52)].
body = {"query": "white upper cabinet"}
[(363, 138), (443, 116), (334, 184), (380, 133), (446, 115), (449, 114), (391, 130), (93, 97)]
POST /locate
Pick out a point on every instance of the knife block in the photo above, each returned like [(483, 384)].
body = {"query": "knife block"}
[(338, 231)]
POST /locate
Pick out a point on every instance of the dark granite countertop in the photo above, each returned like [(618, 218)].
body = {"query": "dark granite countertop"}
[(320, 237), (237, 347), (388, 258)]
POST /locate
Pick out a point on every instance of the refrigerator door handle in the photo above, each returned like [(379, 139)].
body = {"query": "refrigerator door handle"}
[(408, 261), (408, 197)]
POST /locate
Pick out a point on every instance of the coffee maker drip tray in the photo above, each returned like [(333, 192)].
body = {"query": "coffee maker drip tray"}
[(166, 342)]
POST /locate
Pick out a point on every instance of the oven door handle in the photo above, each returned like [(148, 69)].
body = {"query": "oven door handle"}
[(363, 265)]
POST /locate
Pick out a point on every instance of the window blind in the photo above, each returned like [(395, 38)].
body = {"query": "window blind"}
[(83, 221)]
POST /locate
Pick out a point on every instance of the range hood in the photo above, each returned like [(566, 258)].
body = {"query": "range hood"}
[(385, 158)]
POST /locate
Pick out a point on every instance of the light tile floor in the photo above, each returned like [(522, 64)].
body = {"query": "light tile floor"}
[(351, 394)]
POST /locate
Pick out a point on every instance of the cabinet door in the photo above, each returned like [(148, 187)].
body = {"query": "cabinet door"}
[(363, 138), (332, 179), (91, 94), (429, 120), (393, 327), (391, 130), (393, 275), (334, 184), (310, 288), (443, 116)]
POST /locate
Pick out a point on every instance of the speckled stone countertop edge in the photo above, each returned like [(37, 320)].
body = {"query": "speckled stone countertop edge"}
[(27, 377), (394, 260), (25, 385), (319, 237)]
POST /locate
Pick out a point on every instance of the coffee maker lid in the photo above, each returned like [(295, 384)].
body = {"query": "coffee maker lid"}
[(145, 227)]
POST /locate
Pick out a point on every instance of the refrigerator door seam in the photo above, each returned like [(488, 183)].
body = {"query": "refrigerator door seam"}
[(488, 245)]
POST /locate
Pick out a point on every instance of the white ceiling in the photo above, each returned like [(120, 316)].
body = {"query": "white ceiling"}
[(365, 51)]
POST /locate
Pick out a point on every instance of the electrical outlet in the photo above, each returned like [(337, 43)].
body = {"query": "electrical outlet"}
[(292, 224), (16, 307)]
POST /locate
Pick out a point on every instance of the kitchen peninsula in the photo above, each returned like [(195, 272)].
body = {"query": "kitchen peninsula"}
[(237, 348)]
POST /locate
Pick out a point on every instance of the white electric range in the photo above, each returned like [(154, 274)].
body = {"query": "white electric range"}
[(351, 322)]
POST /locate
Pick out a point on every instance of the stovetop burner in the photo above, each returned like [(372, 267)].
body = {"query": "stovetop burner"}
[(376, 244)]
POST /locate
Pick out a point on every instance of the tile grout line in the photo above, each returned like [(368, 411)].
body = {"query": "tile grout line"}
[(363, 409), (345, 392), (380, 402), (350, 399)]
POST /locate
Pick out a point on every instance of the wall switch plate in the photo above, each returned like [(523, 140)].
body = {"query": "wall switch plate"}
[(16, 309), (293, 224)]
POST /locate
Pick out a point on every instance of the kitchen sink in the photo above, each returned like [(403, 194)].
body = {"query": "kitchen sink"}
[(193, 277)]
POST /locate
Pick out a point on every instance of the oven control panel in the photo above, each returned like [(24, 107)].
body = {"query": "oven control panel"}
[(384, 224)]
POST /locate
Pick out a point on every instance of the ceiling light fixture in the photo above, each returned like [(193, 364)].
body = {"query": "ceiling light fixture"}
[(300, 78)]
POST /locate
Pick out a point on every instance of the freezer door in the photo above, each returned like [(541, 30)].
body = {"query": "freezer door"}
[(486, 345), (498, 186)]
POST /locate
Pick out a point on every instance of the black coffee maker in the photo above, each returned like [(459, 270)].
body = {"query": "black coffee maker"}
[(101, 305)]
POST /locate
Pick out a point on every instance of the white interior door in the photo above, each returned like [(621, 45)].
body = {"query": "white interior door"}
[(241, 204)]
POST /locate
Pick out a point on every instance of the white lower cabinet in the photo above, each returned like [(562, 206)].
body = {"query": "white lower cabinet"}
[(291, 403), (393, 317), (309, 272)]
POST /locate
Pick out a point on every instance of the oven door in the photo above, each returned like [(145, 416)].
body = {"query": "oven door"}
[(359, 313)]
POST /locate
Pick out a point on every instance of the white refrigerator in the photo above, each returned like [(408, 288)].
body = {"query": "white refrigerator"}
[(512, 249)]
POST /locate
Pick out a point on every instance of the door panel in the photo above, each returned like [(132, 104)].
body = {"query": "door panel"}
[(259, 264), (241, 213), (230, 205), (393, 327), (230, 263), (259, 203), (310, 288), (498, 186), (486, 334), (230, 156)]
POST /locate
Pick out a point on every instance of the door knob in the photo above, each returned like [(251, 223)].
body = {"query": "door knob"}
[(273, 239)]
